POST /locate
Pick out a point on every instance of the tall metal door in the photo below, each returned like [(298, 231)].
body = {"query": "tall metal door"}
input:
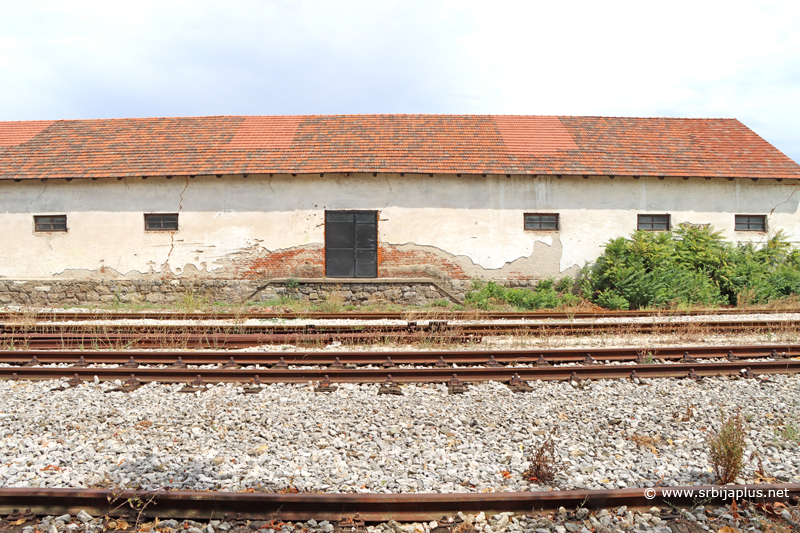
[(351, 244)]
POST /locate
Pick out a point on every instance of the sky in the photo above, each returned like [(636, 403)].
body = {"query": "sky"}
[(101, 59)]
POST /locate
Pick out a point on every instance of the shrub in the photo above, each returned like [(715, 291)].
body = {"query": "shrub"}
[(690, 266), (547, 294), (726, 449)]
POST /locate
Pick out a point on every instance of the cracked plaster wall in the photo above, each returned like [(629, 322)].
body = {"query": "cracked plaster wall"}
[(443, 225)]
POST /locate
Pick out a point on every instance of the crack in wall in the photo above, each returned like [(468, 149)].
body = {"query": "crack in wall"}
[(783, 202), (172, 233), (40, 194)]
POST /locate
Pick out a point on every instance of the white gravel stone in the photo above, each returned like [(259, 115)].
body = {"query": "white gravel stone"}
[(356, 441)]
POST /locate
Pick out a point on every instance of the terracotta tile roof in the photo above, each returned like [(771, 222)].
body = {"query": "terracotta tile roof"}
[(14, 133), (265, 132), (534, 135), (468, 144)]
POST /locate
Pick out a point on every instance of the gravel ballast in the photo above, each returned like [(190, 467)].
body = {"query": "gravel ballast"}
[(609, 434)]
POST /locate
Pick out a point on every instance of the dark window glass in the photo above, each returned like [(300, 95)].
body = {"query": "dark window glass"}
[(51, 223), (653, 222), (168, 222), (751, 222), (339, 217), (538, 222)]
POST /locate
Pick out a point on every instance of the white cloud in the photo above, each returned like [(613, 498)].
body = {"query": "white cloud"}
[(105, 59)]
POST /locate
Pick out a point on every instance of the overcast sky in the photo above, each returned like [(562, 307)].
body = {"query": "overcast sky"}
[(93, 59)]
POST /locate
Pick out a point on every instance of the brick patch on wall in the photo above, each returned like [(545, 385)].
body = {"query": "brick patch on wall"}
[(396, 263), (309, 262)]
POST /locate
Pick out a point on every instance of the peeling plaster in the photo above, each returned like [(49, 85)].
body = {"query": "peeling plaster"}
[(473, 222)]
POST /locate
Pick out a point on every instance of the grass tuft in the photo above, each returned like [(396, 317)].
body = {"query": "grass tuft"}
[(726, 449)]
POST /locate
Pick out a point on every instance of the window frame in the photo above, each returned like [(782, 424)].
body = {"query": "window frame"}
[(525, 221), (762, 229), (653, 216), (36, 222), (162, 229)]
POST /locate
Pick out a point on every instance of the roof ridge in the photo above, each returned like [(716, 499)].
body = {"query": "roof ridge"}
[(476, 115)]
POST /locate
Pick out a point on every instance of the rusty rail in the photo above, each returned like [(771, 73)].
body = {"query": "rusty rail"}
[(43, 336), (421, 314), (211, 341), (402, 357), (411, 327), (408, 375), (371, 507)]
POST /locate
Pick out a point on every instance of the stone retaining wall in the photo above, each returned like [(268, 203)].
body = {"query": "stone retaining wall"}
[(192, 293)]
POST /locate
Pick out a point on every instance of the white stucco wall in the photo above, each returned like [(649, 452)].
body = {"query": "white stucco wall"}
[(479, 220)]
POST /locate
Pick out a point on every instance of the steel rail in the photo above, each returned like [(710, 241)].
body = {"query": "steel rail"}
[(405, 375), (62, 341), (421, 314), (401, 357), (371, 507), (11, 328), (213, 338)]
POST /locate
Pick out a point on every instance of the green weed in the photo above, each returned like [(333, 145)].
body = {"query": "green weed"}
[(790, 432), (547, 294)]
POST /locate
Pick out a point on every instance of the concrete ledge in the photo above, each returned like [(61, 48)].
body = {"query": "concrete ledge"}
[(185, 291), (439, 284)]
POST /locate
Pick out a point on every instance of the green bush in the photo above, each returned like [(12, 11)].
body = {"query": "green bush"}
[(690, 266), (687, 266)]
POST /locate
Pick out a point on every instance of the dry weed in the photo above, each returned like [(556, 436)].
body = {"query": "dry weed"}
[(726, 449), (545, 463), (646, 441)]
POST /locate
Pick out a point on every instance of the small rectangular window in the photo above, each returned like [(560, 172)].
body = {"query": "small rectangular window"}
[(50, 223), (653, 222), (161, 222), (751, 222), (541, 221)]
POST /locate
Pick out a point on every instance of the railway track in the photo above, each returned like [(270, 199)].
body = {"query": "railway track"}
[(440, 327), (172, 374), (333, 507), (119, 336), (404, 357), (359, 315)]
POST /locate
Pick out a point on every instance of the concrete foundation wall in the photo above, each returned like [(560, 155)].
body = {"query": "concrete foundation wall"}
[(447, 227)]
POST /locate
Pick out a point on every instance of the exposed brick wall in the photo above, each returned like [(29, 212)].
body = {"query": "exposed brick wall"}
[(309, 262), (294, 263), (396, 263)]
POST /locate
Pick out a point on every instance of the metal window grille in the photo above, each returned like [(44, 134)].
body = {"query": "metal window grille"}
[(541, 221), (653, 222), (50, 223), (161, 222), (751, 222)]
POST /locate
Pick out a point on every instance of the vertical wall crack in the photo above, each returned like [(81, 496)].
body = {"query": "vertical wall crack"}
[(172, 233)]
